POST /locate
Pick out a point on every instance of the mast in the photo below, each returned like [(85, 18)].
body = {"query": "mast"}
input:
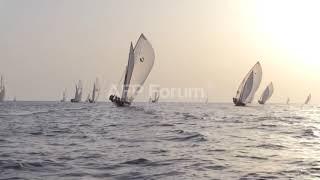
[(129, 71)]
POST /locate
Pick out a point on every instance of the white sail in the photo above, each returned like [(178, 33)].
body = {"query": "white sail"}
[(154, 98), (64, 96), (140, 63), (128, 74), (250, 84), (308, 99), (78, 94), (2, 89), (80, 89), (267, 93), (95, 91)]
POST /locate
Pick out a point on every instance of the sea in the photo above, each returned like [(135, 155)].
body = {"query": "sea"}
[(53, 140)]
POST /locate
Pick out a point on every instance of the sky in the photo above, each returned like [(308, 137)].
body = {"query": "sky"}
[(48, 45)]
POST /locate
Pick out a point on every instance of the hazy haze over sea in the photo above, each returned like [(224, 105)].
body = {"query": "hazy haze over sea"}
[(49, 140)]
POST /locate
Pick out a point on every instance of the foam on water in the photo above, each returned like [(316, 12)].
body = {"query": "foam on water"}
[(49, 140)]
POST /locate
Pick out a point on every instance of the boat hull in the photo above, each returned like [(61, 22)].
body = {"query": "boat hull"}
[(238, 103)]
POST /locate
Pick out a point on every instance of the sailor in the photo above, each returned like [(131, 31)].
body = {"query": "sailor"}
[(112, 98)]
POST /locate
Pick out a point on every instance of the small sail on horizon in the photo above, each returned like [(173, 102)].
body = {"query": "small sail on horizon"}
[(140, 62), (155, 97), (78, 95), (2, 89), (64, 96), (266, 95), (249, 86), (288, 100), (95, 92), (207, 98), (308, 99)]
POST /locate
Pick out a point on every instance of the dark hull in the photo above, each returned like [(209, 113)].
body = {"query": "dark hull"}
[(74, 101), (118, 102), (260, 102), (238, 103)]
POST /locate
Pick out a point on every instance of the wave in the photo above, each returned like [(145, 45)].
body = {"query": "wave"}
[(186, 136)]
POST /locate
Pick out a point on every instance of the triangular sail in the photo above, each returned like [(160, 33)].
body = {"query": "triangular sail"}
[(2, 89), (142, 64), (288, 100), (78, 96), (308, 99), (250, 84), (267, 93), (128, 75), (95, 91)]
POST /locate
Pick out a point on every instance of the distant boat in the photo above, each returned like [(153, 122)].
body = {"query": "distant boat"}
[(140, 63), (266, 95), (14, 99), (2, 90), (248, 86), (95, 92), (155, 97), (206, 101), (308, 99), (207, 98), (78, 95), (88, 98), (64, 96), (288, 100)]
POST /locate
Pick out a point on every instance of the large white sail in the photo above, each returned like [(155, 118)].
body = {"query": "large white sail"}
[(267, 93), (308, 99), (143, 60), (249, 85)]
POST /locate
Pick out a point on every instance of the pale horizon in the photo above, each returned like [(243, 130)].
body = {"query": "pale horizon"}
[(47, 46)]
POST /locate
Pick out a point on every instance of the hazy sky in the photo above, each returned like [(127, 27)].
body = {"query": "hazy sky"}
[(48, 45)]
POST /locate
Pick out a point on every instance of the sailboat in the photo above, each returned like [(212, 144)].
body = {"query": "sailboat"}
[(249, 86), (64, 98), (140, 62), (288, 100), (207, 98), (2, 90), (78, 94), (308, 99), (155, 98), (266, 95), (88, 98), (95, 92)]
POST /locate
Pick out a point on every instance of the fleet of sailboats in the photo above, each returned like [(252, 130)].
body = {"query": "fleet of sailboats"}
[(266, 95), (249, 86), (2, 90), (140, 62), (78, 94)]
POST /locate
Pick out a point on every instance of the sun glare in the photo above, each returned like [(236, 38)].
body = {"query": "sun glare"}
[(292, 26)]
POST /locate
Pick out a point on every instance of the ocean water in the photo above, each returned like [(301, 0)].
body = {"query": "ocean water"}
[(50, 140)]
